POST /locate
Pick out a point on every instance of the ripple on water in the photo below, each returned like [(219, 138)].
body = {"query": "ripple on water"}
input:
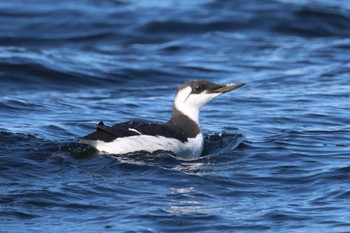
[(277, 152)]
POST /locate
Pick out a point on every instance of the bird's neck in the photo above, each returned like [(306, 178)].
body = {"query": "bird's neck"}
[(188, 124), (192, 113)]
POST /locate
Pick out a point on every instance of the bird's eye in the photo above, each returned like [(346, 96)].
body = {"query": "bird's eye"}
[(198, 89)]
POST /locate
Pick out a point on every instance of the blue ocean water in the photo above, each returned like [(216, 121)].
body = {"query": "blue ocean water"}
[(277, 155)]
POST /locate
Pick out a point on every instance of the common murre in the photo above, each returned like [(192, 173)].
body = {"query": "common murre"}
[(181, 134)]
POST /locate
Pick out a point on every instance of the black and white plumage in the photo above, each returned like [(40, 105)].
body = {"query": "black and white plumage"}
[(181, 134)]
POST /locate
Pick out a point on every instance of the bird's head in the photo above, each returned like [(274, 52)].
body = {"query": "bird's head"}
[(191, 96)]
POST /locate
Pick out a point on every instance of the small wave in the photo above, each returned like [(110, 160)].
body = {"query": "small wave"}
[(178, 27), (219, 143), (316, 22), (34, 75), (302, 19), (10, 104), (11, 140)]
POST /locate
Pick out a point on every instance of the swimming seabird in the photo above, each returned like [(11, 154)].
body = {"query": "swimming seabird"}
[(181, 134)]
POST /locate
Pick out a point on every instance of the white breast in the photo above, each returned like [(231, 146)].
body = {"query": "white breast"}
[(188, 150)]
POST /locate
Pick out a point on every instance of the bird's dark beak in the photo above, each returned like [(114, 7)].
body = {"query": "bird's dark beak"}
[(227, 87)]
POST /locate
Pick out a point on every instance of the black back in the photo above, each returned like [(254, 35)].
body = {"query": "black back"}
[(127, 129)]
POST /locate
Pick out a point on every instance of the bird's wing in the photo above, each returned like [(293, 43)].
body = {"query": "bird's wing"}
[(133, 128)]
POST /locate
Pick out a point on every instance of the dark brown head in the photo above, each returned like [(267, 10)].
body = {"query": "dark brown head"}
[(191, 96)]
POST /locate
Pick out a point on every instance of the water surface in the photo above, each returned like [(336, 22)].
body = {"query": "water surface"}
[(277, 150)]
